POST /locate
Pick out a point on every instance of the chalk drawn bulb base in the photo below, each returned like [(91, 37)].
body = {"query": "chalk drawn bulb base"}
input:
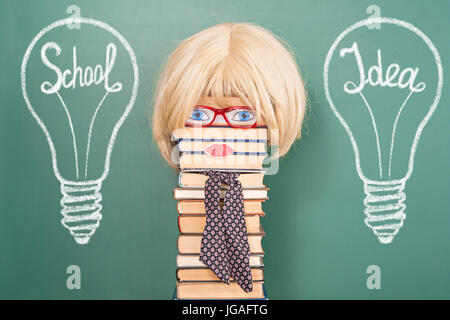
[(384, 209), (81, 209)]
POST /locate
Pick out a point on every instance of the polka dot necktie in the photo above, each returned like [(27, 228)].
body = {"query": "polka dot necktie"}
[(224, 248)]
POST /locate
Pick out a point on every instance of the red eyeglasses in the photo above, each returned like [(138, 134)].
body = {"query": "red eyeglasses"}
[(236, 116)]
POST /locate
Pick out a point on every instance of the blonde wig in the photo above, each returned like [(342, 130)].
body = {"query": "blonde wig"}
[(231, 60)]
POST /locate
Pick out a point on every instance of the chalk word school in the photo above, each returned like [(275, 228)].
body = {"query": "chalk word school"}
[(78, 76)]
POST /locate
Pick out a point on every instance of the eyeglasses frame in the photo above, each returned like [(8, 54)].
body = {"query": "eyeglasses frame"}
[(222, 112)]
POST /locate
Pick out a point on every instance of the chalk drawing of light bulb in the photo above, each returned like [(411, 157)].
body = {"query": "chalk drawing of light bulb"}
[(383, 108), (80, 108)]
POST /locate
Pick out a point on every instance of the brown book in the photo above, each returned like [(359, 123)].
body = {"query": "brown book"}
[(199, 193), (196, 223), (198, 207), (205, 274), (186, 261), (190, 244), (218, 290), (197, 180)]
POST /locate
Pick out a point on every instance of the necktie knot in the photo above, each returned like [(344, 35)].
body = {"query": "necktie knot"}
[(229, 178)]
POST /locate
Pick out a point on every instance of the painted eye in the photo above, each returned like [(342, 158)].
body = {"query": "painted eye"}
[(243, 116), (199, 115)]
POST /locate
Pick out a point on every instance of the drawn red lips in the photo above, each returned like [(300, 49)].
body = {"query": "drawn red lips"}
[(218, 150)]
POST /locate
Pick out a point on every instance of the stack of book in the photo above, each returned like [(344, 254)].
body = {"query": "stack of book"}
[(222, 149)]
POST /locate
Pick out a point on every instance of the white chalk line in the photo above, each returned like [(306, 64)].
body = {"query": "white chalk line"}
[(128, 108), (91, 203), (74, 140), (394, 129), (376, 217), (433, 106), (90, 131), (375, 129), (67, 185), (373, 185)]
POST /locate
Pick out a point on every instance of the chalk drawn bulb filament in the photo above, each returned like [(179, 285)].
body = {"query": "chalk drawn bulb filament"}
[(81, 200), (384, 202)]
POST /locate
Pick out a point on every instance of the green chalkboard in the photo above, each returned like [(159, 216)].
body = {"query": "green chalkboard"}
[(317, 243)]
